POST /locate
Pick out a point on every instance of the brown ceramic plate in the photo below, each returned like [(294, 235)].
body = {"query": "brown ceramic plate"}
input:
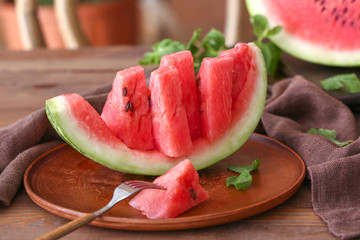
[(68, 184)]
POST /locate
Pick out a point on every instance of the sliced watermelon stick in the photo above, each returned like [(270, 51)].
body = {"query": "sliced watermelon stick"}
[(183, 191), (215, 87), (240, 54), (184, 63), (126, 111), (170, 126)]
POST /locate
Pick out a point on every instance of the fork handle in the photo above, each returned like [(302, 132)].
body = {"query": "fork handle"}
[(68, 227)]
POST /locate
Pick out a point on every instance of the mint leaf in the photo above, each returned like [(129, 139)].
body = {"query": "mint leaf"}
[(239, 168), (260, 26), (274, 31), (213, 40), (160, 49), (210, 46), (350, 82), (241, 182), (271, 55), (328, 134), (191, 44), (271, 52)]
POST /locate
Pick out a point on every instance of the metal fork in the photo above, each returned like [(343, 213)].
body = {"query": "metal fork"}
[(122, 191)]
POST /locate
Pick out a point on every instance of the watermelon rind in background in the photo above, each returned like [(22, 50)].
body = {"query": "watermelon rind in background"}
[(82, 127), (317, 31)]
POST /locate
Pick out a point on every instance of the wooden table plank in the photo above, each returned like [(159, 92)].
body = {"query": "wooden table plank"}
[(27, 79)]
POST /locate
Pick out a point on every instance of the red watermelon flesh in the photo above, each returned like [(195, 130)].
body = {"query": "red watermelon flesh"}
[(335, 23), (240, 54), (215, 86), (170, 126), (126, 111), (184, 63), (183, 191)]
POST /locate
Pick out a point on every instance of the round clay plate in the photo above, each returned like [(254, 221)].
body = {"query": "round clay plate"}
[(68, 184)]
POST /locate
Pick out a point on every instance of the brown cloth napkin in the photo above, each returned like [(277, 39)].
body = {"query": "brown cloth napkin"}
[(294, 106)]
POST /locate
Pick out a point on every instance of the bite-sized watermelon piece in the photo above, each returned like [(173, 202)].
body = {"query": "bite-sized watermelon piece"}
[(170, 126), (184, 63), (126, 111), (215, 85), (240, 54), (89, 134), (183, 191), (324, 32)]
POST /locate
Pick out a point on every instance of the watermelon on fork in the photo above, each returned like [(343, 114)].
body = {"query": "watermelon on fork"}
[(183, 191), (83, 128)]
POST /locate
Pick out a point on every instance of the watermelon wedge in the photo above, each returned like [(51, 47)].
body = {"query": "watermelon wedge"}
[(184, 63), (324, 32), (183, 191), (171, 129), (126, 111), (83, 128)]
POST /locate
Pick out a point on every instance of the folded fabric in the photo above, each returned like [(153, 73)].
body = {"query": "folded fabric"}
[(294, 106)]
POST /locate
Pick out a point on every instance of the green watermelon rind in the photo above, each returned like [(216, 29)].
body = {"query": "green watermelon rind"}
[(303, 49), (117, 156)]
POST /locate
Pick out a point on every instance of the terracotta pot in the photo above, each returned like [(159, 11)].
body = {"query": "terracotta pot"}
[(104, 23)]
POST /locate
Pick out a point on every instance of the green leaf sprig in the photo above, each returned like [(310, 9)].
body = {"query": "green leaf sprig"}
[(328, 134), (210, 46), (244, 180), (271, 52), (350, 82)]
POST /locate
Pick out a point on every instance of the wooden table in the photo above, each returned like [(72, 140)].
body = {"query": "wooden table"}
[(27, 79)]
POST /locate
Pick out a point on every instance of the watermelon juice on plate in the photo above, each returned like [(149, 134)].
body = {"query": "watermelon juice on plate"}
[(227, 119)]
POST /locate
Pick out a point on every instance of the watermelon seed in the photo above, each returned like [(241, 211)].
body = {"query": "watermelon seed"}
[(343, 22), (334, 10), (197, 81), (192, 193), (345, 10), (124, 92), (129, 106), (323, 9), (149, 98)]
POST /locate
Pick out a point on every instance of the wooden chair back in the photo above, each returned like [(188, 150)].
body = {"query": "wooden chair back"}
[(68, 22)]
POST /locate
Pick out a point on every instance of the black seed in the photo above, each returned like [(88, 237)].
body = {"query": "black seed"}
[(323, 9), (337, 17), (124, 92), (322, 2), (343, 22), (198, 81), (345, 10), (192, 193), (131, 107), (149, 99), (334, 10), (352, 23), (127, 107)]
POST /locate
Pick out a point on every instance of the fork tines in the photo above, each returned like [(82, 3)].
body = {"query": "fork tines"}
[(143, 184)]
